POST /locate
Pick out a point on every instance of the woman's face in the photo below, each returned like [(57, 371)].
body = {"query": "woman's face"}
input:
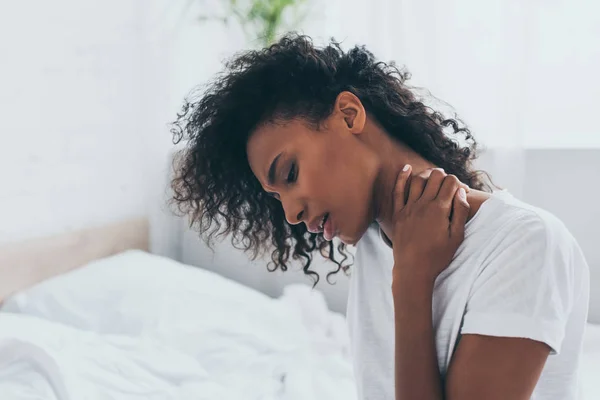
[(319, 174)]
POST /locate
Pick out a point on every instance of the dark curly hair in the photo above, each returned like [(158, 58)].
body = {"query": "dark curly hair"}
[(213, 182)]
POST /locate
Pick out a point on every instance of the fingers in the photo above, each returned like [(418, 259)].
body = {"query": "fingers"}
[(434, 183), (428, 184), (418, 183), (415, 190), (400, 187), (460, 213), (448, 190)]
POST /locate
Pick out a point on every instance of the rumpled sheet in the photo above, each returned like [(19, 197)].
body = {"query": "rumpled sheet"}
[(298, 349)]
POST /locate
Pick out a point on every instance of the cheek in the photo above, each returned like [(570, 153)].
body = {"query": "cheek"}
[(340, 178), (350, 182)]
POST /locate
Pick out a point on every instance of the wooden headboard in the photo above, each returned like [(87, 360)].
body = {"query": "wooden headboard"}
[(27, 263)]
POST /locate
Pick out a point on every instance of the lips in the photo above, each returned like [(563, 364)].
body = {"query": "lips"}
[(317, 224), (323, 221)]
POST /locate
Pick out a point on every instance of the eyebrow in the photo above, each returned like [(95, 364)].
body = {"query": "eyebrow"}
[(273, 170)]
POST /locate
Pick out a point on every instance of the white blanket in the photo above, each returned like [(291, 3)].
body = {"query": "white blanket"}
[(136, 325), (185, 358), (590, 363)]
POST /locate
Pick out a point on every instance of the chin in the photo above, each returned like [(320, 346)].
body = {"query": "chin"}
[(354, 228), (350, 242), (354, 238)]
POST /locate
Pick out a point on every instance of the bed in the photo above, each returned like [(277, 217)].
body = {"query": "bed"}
[(92, 315)]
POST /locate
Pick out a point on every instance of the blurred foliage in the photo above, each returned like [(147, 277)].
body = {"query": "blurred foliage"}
[(262, 20)]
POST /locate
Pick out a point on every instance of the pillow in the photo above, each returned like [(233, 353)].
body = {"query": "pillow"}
[(135, 293)]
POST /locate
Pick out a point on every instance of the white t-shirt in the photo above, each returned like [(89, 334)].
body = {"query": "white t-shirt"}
[(518, 273)]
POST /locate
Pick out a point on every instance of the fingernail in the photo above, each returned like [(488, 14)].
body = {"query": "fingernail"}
[(462, 193), (406, 168)]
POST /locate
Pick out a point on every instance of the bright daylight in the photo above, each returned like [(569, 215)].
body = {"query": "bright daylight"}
[(299, 200)]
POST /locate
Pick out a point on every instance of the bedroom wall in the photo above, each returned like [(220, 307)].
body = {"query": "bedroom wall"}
[(76, 123), (565, 182), (189, 53)]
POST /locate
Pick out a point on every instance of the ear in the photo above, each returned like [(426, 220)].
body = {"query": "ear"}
[(352, 111)]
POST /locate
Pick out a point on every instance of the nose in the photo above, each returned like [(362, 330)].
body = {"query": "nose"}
[(293, 209)]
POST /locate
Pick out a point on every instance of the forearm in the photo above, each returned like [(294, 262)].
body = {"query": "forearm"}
[(417, 373)]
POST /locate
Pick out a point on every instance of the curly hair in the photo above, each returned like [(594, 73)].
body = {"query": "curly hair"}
[(213, 182)]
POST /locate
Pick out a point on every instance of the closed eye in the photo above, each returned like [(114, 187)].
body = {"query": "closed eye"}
[(292, 174)]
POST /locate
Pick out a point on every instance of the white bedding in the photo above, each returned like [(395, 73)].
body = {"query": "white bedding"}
[(590, 363), (138, 326)]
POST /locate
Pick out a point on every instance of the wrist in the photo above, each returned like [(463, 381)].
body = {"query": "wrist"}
[(418, 277), (412, 296)]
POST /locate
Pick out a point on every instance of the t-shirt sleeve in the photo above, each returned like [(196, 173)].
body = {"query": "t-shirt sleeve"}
[(525, 286)]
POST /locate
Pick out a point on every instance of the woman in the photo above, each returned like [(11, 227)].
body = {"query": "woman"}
[(453, 295)]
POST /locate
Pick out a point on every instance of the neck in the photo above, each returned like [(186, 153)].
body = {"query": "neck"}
[(393, 156), (386, 181)]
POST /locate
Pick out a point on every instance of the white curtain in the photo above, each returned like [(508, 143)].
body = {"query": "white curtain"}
[(520, 74), (517, 72), (470, 54)]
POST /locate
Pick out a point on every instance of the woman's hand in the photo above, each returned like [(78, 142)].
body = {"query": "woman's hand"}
[(428, 224)]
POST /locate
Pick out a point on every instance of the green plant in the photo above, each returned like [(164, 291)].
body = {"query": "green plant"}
[(262, 20)]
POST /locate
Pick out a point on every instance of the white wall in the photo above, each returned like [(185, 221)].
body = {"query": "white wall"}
[(185, 54), (87, 91), (73, 134), (566, 183)]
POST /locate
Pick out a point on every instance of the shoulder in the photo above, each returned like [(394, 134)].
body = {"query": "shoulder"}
[(524, 245), (528, 278), (523, 225)]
